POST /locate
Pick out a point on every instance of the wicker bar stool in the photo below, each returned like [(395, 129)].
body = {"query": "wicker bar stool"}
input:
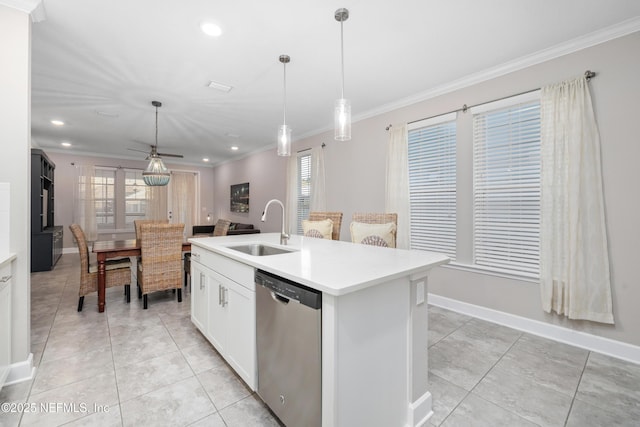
[(377, 229), (336, 217)]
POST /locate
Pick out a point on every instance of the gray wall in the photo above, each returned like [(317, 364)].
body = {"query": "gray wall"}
[(355, 179), (65, 177)]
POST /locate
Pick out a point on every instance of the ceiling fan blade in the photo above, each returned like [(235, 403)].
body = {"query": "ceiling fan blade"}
[(139, 151), (170, 155)]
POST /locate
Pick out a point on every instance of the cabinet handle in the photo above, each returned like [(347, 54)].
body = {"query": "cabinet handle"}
[(195, 255), (201, 284), (5, 279), (225, 299)]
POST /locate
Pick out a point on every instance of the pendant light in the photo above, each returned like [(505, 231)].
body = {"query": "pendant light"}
[(156, 173), (284, 131), (342, 111)]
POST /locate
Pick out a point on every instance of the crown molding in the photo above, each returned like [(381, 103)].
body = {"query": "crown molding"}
[(574, 45), (35, 8)]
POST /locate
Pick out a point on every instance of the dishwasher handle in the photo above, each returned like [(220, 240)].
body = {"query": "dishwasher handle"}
[(280, 298)]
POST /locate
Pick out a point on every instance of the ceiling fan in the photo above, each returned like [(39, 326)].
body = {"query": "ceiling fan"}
[(154, 147)]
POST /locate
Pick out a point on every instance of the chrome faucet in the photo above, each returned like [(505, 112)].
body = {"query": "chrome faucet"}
[(284, 237)]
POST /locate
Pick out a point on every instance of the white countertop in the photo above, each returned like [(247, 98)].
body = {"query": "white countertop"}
[(334, 267)]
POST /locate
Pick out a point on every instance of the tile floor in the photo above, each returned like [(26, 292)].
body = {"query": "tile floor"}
[(131, 367)]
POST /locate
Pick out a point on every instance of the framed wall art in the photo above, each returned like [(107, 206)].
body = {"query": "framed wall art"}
[(240, 198)]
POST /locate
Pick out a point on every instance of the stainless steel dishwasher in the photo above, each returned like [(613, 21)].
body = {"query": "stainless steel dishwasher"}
[(289, 334)]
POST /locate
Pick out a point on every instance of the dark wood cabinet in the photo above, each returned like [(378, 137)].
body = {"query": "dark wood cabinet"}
[(46, 238)]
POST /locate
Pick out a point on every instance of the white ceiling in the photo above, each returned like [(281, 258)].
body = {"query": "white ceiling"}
[(97, 65)]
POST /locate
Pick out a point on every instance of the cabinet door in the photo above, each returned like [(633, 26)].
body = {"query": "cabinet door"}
[(217, 312), (241, 342), (199, 297)]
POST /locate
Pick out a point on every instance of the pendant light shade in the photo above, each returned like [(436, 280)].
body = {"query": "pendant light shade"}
[(156, 174), (284, 131), (342, 110)]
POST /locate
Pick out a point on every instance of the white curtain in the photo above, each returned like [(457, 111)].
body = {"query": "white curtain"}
[(318, 193), (574, 259), (183, 193), (156, 202), (397, 183), (291, 202), (84, 210)]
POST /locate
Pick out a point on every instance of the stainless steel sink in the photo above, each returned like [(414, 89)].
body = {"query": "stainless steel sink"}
[(259, 249)]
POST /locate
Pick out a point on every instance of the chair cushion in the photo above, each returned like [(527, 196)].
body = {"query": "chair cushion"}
[(111, 265), (373, 234), (321, 229)]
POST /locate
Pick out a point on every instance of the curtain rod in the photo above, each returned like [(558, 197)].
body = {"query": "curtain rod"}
[(307, 149), (587, 74)]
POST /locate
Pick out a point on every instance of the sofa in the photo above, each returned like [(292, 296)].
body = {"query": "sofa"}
[(235, 228)]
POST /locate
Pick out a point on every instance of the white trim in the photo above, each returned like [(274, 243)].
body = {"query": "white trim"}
[(70, 250), (617, 349), (436, 120), (506, 102), (21, 371), (420, 411)]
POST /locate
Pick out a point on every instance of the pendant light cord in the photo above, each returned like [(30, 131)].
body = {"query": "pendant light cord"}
[(284, 97), (342, 52)]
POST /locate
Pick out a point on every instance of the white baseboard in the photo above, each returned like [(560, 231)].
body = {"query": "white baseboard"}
[(21, 371), (613, 348), (420, 411), (70, 251)]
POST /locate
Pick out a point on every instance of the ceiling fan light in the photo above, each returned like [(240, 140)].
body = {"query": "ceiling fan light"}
[(156, 174)]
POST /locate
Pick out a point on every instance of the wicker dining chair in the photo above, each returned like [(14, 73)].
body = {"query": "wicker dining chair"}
[(375, 218), (118, 272), (139, 222), (161, 253), (336, 217)]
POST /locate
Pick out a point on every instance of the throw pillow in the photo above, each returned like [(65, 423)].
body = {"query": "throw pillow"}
[(321, 229), (374, 234)]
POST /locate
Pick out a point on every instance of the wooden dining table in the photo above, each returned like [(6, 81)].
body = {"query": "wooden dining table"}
[(106, 249)]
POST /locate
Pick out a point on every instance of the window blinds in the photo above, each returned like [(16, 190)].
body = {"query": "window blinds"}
[(432, 184), (506, 188), (304, 189)]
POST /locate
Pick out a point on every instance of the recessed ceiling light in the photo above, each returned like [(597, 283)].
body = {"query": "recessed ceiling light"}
[(219, 86), (57, 122), (65, 144), (206, 159), (234, 148), (211, 29)]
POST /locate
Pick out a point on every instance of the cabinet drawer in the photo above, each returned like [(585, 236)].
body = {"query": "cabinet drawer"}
[(234, 270)]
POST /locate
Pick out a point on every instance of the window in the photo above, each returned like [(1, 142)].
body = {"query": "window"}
[(432, 184), (304, 189), (120, 197), (506, 187), (135, 196), (105, 199)]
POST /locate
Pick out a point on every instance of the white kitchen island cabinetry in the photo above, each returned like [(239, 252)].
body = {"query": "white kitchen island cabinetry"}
[(223, 308), (374, 320)]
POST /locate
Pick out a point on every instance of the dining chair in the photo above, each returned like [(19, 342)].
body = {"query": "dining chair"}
[(336, 217), (139, 222), (118, 272), (376, 229), (161, 265)]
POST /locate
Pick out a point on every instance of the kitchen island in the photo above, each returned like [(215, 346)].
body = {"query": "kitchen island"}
[(374, 319)]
